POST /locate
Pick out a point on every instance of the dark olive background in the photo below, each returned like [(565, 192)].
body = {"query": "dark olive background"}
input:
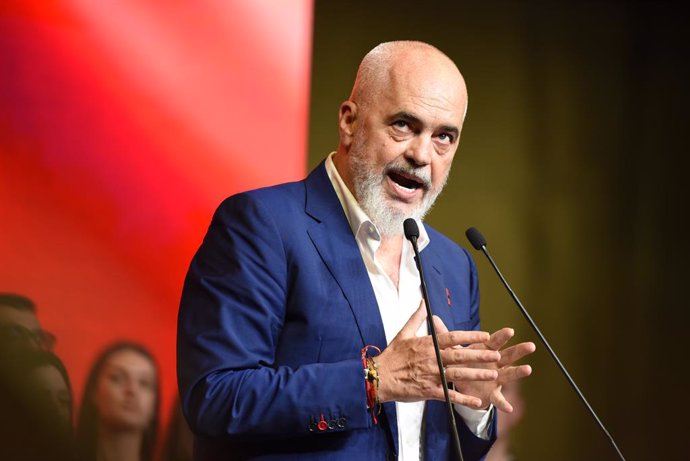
[(573, 163)]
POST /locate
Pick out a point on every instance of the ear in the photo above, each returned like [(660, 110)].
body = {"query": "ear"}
[(347, 118)]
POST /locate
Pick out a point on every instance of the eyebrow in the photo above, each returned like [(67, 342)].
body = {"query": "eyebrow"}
[(413, 119), (406, 116), (129, 371)]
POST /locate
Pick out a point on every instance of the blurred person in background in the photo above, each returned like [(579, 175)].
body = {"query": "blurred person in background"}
[(179, 438), (35, 392), (49, 382), (19, 324), (35, 406), (118, 418)]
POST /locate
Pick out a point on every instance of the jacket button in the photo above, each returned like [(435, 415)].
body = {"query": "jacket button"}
[(342, 422), (322, 425)]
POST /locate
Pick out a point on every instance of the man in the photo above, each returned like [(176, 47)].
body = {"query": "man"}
[(294, 282)]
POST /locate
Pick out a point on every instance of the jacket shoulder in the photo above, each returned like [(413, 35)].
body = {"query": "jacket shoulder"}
[(443, 243), (276, 200)]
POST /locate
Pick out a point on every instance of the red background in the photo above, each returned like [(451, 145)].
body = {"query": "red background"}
[(122, 126)]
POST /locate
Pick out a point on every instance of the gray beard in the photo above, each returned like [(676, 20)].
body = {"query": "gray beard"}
[(370, 194)]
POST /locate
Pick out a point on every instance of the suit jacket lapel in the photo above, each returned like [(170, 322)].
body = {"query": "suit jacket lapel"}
[(333, 239), (431, 264)]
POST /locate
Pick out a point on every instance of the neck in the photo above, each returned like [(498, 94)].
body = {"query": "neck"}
[(119, 445), (389, 254), (340, 163)]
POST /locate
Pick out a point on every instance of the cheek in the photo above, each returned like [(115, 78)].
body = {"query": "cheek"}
[(100, 402), (440, 169), (381, 150), (104, 397), (148, 402)]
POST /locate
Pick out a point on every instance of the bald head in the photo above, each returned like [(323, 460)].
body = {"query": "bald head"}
[(406, 62)]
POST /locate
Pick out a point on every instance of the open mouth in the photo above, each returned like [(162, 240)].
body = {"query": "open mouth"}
[(407, 181)]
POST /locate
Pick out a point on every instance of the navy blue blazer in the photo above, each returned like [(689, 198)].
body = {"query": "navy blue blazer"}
[(276, 306)]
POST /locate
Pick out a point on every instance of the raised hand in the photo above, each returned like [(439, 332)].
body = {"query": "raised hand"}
[(408, 370), (490, 392)]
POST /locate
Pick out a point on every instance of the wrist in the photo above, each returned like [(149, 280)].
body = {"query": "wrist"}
[(371, 381)]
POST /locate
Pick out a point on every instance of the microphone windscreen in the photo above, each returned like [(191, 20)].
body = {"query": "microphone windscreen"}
[(411, 229), (476, 238)]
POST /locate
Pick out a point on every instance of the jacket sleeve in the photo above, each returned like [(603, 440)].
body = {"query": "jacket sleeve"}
[(232, 311)]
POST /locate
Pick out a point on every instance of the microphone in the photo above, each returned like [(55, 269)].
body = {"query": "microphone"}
[(479, 243), (412, 234)]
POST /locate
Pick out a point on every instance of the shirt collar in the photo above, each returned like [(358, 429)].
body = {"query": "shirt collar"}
[(365, 231)]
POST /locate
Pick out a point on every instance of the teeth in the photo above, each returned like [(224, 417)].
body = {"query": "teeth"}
[(402, 182), (403, 187)]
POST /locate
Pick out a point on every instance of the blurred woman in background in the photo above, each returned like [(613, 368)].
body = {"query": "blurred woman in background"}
[(118, 419), (178, 444)]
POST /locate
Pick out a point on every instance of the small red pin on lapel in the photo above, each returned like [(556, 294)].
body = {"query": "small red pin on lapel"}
[(448, 295)]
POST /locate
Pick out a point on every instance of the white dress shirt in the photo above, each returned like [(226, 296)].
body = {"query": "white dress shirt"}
[(397, 304)]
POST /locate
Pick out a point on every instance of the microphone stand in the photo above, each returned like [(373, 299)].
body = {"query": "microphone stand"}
[(479, 243), (412, 233)]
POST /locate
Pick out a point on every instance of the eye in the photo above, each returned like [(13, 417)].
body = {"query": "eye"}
[(401, 125), (116, 377), (446, 138)]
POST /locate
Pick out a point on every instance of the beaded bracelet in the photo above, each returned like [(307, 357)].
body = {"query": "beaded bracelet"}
[(371, 380)]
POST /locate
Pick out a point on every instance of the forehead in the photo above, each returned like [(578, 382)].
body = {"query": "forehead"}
[(130, 361), (429, 89), (13, 316)]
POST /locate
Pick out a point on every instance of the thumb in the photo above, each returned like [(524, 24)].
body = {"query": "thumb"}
[(439, 325), (414, 322)]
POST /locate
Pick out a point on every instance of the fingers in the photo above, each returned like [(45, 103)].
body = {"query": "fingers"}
[(470, 400), (509, 374), (501, 403), (457, 338), (512, 354), (496, 397), (473, 359), (459, 373), (460, 399), (499, 338), (466, 356)]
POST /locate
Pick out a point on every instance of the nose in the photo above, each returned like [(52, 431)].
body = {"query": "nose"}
[(419, 150), (130, 387)]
